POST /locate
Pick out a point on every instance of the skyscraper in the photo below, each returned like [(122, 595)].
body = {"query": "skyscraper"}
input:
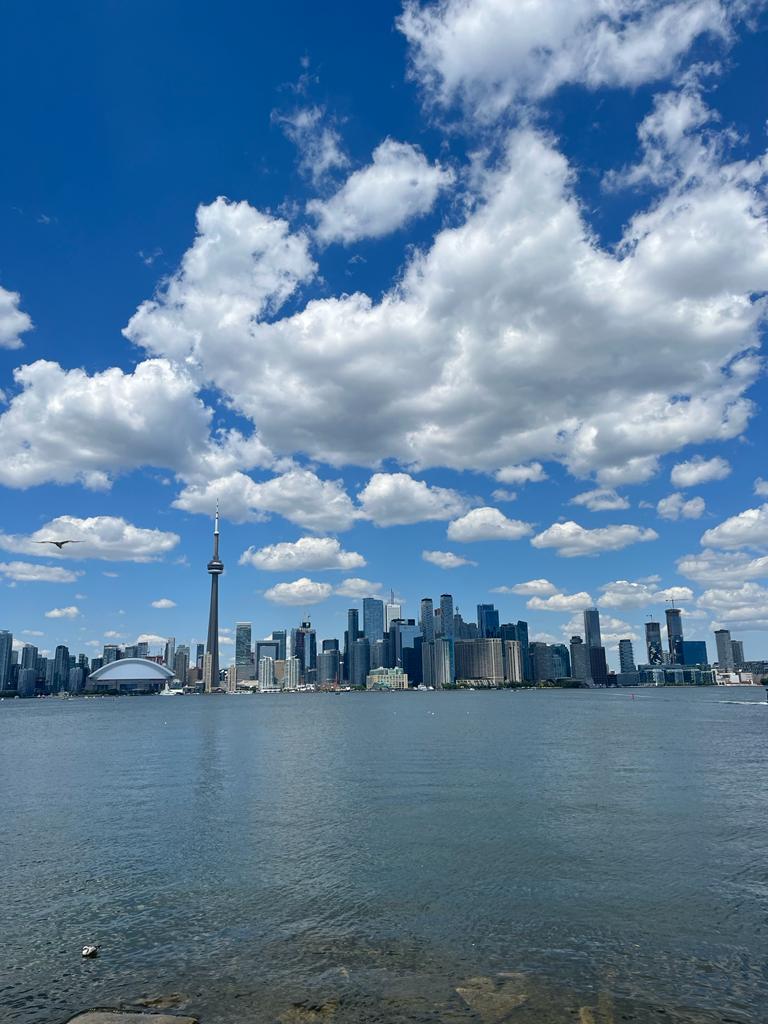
[(561, 661), (6, 646), (350, 636), (579, 659), (392, 610), (653, 643), (170, 652), (427, 619), (592, 636), (360, 661), (215, 568), (626, 656), (243, 652), (724, 649), (304, 646), (373, 618), (280, 636), (737, 651), (446, 615), (675, 635), (60, 669), (487, 621)]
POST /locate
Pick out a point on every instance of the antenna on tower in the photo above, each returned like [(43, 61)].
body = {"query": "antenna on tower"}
[(216, 522)]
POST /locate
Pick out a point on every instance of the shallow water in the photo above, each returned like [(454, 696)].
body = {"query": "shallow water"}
[(533, 856)]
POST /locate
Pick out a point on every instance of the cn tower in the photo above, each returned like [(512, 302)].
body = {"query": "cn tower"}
[(215, 568)]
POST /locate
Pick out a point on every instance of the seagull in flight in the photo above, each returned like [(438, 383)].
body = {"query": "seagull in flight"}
[(59, 543)]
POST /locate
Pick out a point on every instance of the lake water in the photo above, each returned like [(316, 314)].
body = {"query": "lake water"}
[(436, 857)]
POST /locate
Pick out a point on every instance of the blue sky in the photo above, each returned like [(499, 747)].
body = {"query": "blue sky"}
[(473, 280)]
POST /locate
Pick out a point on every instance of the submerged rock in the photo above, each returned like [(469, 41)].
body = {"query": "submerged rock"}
[(309, 1013), (128, 1017), (491, 1001)]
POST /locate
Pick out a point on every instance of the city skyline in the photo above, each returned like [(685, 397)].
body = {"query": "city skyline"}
[(416, 327)]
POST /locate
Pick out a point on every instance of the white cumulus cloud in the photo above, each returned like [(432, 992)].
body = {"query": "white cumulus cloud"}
[(699, 470), (761, 487), (303, 591), (305, 553), (640, 594), (164, 602), (30, 572), (107, 537), (13, 321), (446, 559), (723, 568), (299, 495), (70, 612), (356, 587), (570, 539), (532, 474), (676, 506), (487, 524), (490, 54), (561, 602), (394, 499), (397, 186), (747, 529), (540, 588), (601, 499)]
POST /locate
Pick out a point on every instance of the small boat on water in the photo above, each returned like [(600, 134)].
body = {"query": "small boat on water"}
[(168, 692)]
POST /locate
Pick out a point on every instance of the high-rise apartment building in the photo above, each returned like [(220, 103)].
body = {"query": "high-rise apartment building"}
[(427, 619), (592, 636), (675, 635), (281, 638), (304, 646), (6, 647), (626, 656), (737, 652), (724, 649), (351, 634), (580, 668), (360, 661), (373, 618), (60, 669), (266, 673), (561, 661), (170, 652), (243, 651), (653, 643), (329, 667)]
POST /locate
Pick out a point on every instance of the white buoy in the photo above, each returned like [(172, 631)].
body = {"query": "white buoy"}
[(89, 952)]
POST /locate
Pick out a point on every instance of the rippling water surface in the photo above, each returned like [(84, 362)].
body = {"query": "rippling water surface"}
[(533, 857)]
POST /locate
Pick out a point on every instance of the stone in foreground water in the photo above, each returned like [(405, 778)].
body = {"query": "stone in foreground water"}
[(127, 1017)]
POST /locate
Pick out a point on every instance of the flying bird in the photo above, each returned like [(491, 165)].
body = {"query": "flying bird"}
[(59, 543)]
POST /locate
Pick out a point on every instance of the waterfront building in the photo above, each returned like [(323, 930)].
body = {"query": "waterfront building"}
[(215, 569), (27, 684), (76, 681), (60, 669), (329, 667), (243, 650), (427, 619), (6, 648), (737, 653), (479, 659), (579, 659), (541, 661), (129, 675), (724, 649), (360, 661), (598, 666), (694, 652), (512, 656), (487, 621), (208, 681), (292, 674), (653, 643), (626, 657), (386, 679), (304, 646), (446, 616), (266, 673), (380, 653), (675, 635), (350, 636), (373, 618), (29, 656), (436, 663), (561, 661)]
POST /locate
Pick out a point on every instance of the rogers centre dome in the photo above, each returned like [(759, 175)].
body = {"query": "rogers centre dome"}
[(129, 675)]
